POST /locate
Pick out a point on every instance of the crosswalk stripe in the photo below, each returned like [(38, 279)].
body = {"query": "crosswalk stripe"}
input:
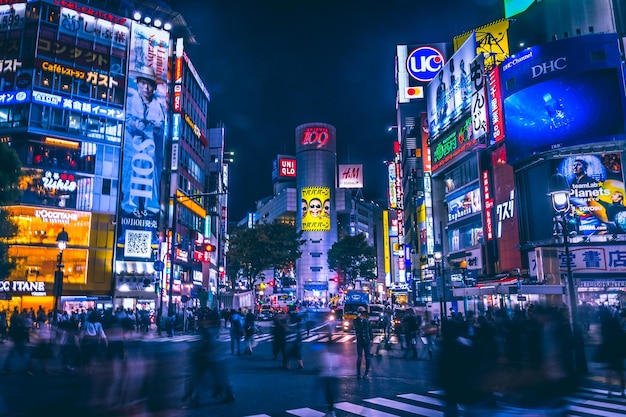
[(585, 402), (397, 405), (593, 411), (596, 403), (361, 411), (422, 399), (306, 412)]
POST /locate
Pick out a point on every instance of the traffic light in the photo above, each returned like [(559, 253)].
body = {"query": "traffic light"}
[(209, 247)]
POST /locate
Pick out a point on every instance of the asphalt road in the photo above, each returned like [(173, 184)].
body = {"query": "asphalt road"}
[(154, 381)]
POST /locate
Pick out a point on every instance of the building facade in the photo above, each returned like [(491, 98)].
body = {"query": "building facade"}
[(94, 100)]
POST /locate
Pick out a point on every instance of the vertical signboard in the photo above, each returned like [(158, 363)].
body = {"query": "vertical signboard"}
[(144, 137), (479, 99), (316, 213)]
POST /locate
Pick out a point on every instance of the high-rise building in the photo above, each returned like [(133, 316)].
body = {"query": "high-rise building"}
[(94, 100)]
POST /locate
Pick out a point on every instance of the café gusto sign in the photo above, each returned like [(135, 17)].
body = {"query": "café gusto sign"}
[(37, 288)]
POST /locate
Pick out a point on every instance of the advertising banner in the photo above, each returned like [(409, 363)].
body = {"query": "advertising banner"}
[(597, 192), (91, 24), (350, 176), (445, 149), (450, 92), (492, 42), (563, 93), (316, 206), (464, 205), (144, 137)]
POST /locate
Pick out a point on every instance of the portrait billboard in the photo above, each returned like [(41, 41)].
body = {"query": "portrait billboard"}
[(597, 192), (561, 94), (316, 206), (144, 137), (450, 93)]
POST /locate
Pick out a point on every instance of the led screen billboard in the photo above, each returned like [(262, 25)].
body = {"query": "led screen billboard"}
[(596, 197), (316, 206), (597, 192), (562, 94)]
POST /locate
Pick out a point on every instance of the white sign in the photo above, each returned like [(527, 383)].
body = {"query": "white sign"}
[(56, 217), (350, 176)]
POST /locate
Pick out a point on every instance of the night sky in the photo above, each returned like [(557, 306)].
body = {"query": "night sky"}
[(273, 65)]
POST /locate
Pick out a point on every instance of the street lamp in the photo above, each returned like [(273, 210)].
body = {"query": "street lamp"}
[(559, 191), (57, 288)]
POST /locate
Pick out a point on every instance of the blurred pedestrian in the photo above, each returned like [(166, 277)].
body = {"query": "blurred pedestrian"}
[(410, 326), (364, 336), (295, 352), (611, 348), (18, 334), (93, 341), (279, 341), (331, 360), (249, 326), (236, 331), (205, 358)]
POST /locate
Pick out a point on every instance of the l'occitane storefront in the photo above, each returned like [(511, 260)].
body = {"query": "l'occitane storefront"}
[(35, 253)]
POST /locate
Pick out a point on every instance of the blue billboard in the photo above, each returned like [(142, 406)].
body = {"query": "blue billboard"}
[(562, 94)]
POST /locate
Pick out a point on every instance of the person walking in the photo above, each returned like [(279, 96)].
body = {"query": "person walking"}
[(279, 342), (364, 336), (93, 341), (236, 331), (248, 331), (295, 352), (410, 327), (611, 348), (205, 358)]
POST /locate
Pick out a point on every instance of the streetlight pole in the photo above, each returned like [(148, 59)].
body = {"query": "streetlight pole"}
[(62, 239), (559, 191)]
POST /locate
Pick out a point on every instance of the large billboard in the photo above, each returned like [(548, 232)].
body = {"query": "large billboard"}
[(561, 94), (597, 192), (316, 206), (417, 65), (449, 94), (144, 137)]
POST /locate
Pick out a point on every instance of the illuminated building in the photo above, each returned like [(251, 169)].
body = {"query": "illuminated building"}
[(94, 161)]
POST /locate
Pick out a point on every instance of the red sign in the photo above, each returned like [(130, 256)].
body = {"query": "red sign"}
[(317, 136), (495, 96), (286, 167), (178, 71), (488, 205)]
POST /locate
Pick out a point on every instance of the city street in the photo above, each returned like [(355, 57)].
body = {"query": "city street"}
[(159, 365)]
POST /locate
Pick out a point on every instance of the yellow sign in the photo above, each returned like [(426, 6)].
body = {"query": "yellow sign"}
[(491, 41), (316, 209)]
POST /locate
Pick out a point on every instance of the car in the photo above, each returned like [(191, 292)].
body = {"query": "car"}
[(398, 314), (375, 314), (266, 313), (336, 317)]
